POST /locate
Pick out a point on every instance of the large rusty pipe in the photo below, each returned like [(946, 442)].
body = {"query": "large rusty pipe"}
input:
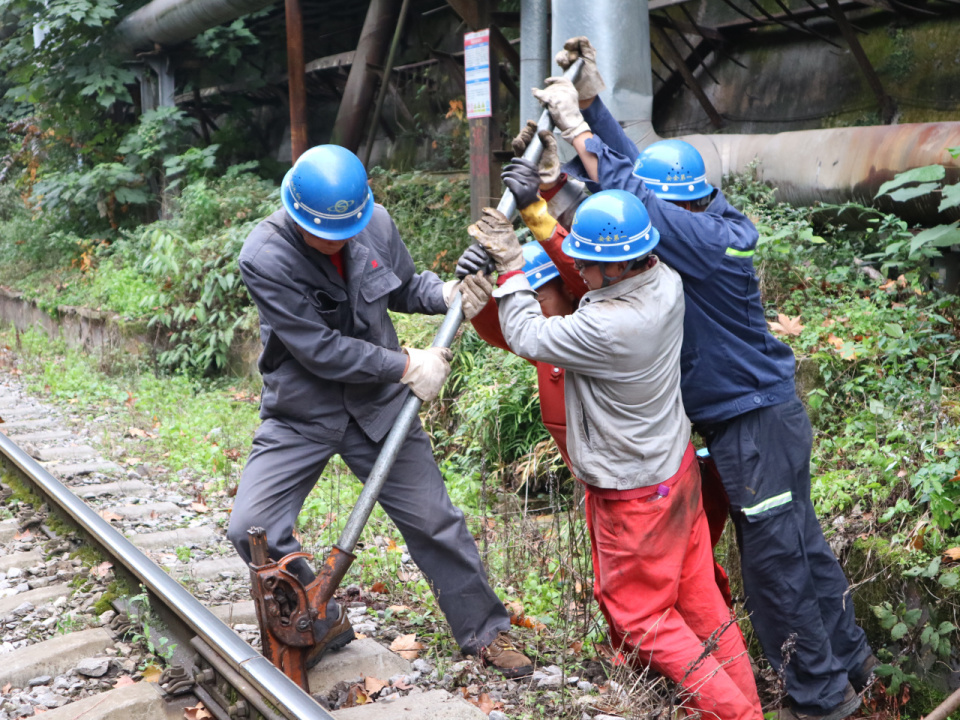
[(358, 94), (837, 165), (296, 80)]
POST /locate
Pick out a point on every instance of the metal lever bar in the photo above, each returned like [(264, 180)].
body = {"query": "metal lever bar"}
[(444, 338)]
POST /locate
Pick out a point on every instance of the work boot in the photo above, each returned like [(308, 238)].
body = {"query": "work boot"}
[(503, 656), (338, 633), (847, 707), (861, 677)]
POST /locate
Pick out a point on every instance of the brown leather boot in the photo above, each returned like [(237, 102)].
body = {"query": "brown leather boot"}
[(502, 655), (339, 633)]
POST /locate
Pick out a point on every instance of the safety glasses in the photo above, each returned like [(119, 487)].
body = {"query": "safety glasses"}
[(584, 264)]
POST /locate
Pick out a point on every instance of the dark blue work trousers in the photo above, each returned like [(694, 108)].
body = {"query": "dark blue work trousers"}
[(283, 468), (792, 580)]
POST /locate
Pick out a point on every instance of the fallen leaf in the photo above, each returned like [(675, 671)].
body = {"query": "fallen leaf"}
[(902, 281), (25, 535), (401, 685), (360, 636), (6, 688), (398, 608), (373, 685), (952, 554), (131, 400), (151, 673), (378, 587), (392, 545), (407, 647), (355, 696), (199, 507), (786, 325), (197, 712), (124, 680), (404, 575), (835, 341), (101, 570), (484, 702), (39, 709), (136, 432)]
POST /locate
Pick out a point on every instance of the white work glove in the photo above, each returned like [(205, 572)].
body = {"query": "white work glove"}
[(476, 291), (559, 97), (494, 232), (589, 83), (426, 371), (549, 166)]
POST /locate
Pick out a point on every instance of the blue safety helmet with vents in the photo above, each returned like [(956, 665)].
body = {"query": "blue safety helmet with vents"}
[(326, 193), (537, 265), (673, 170), (610, 226)]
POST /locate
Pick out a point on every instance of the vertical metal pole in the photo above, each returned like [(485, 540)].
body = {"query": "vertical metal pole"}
[(534, 53), (296, 80), (385, 82)]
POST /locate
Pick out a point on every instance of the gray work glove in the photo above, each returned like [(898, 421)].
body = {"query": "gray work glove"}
[(426, 371), (476, 291), (589, 84), (549, 166), (494, 232), (473, 260), (559, 97)]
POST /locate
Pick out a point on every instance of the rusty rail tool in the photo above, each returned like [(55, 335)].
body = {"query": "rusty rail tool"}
[(286, 609)]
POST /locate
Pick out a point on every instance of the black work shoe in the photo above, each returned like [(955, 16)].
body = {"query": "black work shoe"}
[(502, 655), (861, 677), (339, 633), (847, 707)]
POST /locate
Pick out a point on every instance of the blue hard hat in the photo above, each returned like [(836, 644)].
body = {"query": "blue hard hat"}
[(673, 170), (326, 193), (610, 226), (537, 265)]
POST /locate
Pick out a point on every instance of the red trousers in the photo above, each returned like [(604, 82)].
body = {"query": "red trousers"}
[(654, 581)]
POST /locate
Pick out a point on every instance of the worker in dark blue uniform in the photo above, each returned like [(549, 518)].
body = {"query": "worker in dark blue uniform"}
[(323, 271), (738, 389)]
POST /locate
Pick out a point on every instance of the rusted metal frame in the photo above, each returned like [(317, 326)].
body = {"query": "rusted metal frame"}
[(471, 12), (658, 77), (825, 12), (693, 50), (358, 94), (672, 83), (688, 77), (717, 48), (504, 48), (296, 79), (790, 25), (508, 82), (887, 106), (789, 13), (384, 81), (754, 21), (914, 8), (663, 60)]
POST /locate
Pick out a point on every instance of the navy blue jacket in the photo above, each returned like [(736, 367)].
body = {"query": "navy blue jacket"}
[(330, 351), (730, 363)]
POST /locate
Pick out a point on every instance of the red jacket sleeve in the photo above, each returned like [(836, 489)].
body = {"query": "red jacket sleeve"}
[(568, 273), (487, 325)]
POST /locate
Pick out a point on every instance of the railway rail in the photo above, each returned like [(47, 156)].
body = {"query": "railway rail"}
[(210, 662)]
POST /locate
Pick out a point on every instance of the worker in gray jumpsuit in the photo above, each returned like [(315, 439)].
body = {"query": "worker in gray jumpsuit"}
[(323, 271)]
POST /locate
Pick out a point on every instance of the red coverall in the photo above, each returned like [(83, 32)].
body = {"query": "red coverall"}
[(679, 605)]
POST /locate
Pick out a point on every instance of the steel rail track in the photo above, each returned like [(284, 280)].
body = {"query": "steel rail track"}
[(234, 681)]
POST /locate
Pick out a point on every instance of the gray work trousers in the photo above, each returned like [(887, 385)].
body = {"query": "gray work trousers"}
[(284, 466)]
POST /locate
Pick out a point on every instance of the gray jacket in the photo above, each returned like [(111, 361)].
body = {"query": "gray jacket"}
[(330, 351), (626, 427)]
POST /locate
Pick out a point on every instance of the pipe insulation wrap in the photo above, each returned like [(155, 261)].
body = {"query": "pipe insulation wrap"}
[(621, 33), (170, 22)]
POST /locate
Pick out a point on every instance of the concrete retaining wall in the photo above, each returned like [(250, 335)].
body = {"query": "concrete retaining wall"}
[(97, 331)]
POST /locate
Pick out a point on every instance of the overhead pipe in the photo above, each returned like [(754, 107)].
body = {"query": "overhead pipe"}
[(171, 22), (833, 165)]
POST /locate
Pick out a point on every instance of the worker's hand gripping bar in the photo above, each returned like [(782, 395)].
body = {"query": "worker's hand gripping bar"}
[(286, 610)]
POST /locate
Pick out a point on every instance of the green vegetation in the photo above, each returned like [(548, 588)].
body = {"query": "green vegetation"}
[(878, 358)]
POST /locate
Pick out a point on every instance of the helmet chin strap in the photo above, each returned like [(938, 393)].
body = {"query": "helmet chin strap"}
[(607, 280)]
